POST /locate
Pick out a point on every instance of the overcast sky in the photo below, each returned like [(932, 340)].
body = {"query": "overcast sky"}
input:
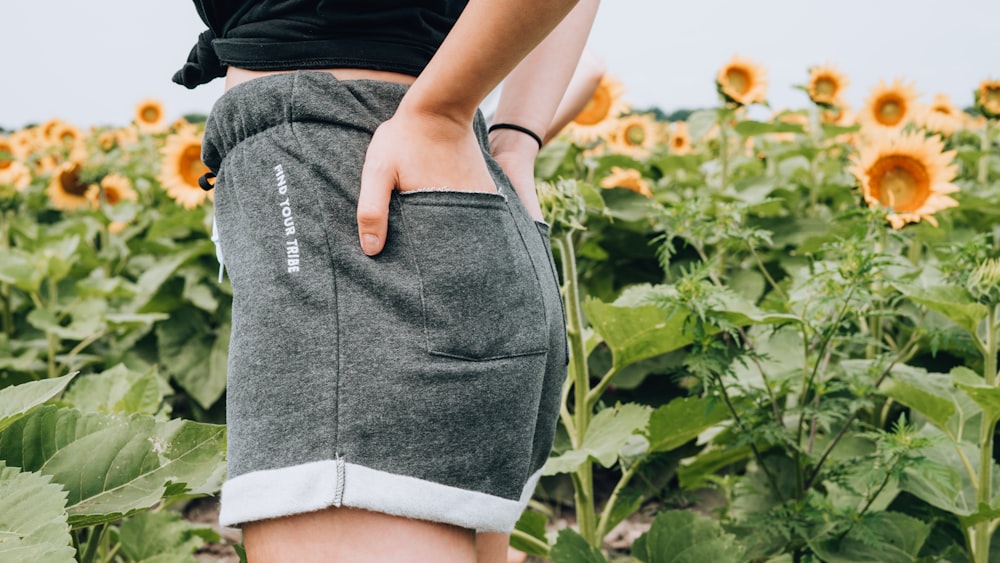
[(91, 62)]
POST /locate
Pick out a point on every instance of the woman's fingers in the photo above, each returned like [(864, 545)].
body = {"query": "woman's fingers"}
[(378, 179)]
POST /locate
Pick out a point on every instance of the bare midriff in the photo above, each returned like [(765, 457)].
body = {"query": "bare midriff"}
[(236, 75)]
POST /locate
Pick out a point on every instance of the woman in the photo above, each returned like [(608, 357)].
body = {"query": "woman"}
[(398, 342)]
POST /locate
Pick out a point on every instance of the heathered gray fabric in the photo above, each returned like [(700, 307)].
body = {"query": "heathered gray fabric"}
[(440, 359)]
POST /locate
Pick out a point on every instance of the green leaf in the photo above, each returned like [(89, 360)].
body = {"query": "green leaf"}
[(889, 537), (161, 537), (986, 396), (33, 523), (114, 465), (21, 269), (749, 128), (694, 474), (118, 389), (608, 433), (942, 478), (739, 311), (151, 279), (194, 356), (637, 332), (952, 301), (700, 122), (17, 400), (930, 395), (681, 420), (681, 536), (570, 547), (531, 523)]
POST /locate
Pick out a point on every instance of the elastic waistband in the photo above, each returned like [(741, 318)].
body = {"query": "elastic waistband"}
[(255, 106)]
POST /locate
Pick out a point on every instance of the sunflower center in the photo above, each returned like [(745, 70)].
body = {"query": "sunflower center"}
[(826, 86), (738, 79), (900, 182), (189, 165), (597, 109), (942, 109), (992, 97), (69, 181), (890, 109), (635, 135), (150, 114)]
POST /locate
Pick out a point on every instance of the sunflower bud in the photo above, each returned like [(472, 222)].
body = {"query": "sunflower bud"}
[(562, 205), (984, 282), (988, 98)]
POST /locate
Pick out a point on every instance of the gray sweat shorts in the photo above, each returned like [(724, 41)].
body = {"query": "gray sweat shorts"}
[(424, 382)]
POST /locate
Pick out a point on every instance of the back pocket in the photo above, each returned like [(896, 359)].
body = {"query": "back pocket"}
[(480, 292)]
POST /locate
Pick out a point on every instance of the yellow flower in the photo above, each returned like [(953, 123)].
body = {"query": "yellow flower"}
[(24, 142), (941, 116), (679, 139), (126, 136), (908, 173), (599, 116), (180, 168), (889, 107), (15, 174), (149, 116), (629, 179), (112, 189), (826, 85), (64, 134), (66, 190), (635, 135), (742, 81), (9, 153), (988, 97)]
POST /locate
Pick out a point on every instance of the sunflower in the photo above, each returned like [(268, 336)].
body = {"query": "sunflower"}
[(9, 153), (889, 107), (599, 116), (126, 136), (988, 97), (679, 138), (66, 190), (149, 116), (908, 173), (24, 142), (742, 81), (826, 85), (629, 179), (635, 135), (112, 189), (15, 174), (941, 116), (64, 134), (180, 168)]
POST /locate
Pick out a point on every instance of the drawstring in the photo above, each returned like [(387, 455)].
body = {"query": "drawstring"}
[(203, 181)]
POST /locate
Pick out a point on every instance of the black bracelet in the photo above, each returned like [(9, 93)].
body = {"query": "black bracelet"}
[(524, 130)]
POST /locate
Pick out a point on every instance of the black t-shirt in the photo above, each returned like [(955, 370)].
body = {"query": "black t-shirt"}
[(393, 35)]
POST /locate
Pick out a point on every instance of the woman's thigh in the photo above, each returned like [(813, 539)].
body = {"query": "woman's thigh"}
[(350, 534)]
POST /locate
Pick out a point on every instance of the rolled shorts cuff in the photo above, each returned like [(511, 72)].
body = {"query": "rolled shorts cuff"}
[(321, 484)]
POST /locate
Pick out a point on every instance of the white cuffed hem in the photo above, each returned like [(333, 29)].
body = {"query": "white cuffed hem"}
[(320, 484)]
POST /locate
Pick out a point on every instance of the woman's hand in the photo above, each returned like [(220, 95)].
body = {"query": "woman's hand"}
[(412, 151), (516, 152)]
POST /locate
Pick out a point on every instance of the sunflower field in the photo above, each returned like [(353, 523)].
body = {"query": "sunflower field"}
[(784, 333)]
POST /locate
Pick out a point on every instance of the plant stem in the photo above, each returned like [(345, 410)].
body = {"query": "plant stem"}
[(52, 339), (8, 314), (594, 394), (987, 428), (583, 478), (984, 159), (753, 445), (723, 150), (93, 542), (602, 524), (532, 540), (850, 419)]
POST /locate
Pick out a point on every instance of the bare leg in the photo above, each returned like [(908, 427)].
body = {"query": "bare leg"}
[(349, 534), (491, 547)]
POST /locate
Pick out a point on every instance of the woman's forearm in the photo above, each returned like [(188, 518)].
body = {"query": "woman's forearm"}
[(487, 42), (533, 91)]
